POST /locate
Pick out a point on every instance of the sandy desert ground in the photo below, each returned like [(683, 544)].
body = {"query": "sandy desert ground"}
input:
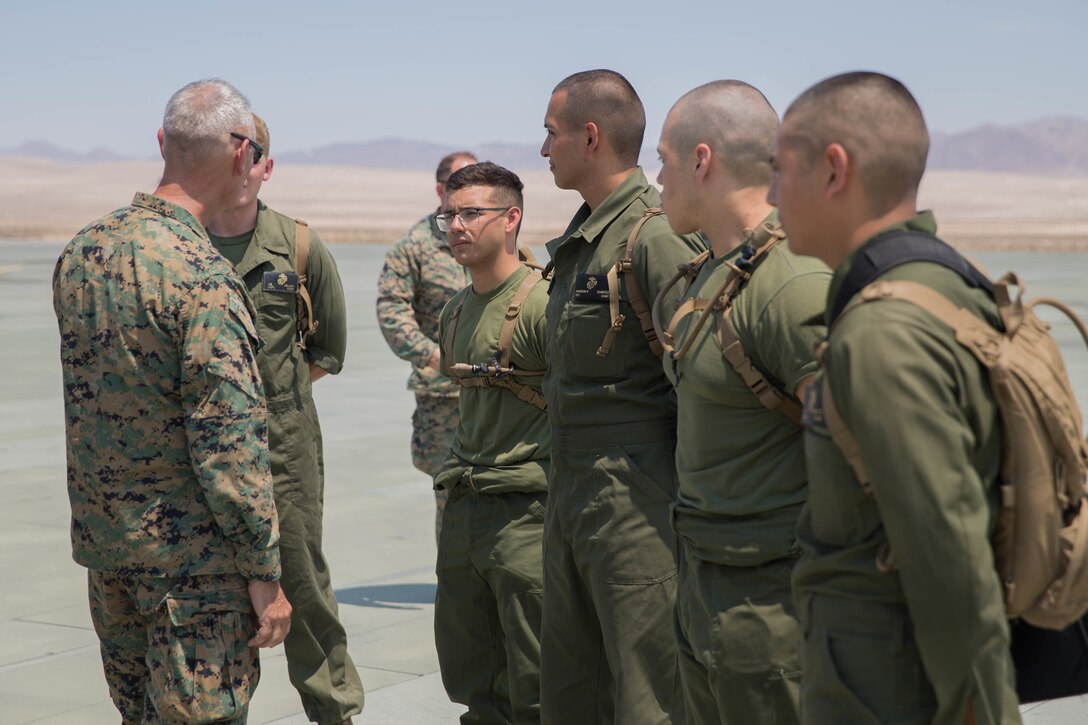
[(48, 200)]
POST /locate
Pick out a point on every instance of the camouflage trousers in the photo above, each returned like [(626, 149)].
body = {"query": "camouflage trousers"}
[(174, 649), (433, 425)]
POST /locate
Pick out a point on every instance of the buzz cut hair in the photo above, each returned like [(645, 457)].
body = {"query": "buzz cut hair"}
[(606, 98), (260, 134), (877, 121), (506, 187), (442, 173), (735, 120), (200, 117)]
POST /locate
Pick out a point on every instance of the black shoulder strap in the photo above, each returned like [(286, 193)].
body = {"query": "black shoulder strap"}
[(891, 249)]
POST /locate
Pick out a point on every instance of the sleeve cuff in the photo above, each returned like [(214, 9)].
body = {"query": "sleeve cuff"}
[(262, 565)]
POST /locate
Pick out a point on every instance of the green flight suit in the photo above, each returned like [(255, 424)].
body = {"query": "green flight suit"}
[(920, 641), (316, 647), (608, 648), (490, 568), (742, 483)]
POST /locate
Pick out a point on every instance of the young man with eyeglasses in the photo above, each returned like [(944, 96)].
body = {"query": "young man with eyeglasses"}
[(609, 652), (419, 277), (262, 245), (490, 570), (168, 472)]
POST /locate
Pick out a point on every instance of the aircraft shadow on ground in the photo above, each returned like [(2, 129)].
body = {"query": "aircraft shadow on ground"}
[(388, 596)]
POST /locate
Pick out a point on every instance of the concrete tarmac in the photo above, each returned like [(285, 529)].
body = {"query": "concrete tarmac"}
[(379, 527)]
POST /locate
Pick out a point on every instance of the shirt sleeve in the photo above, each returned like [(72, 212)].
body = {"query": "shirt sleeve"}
[(397, 289), (328, 345), (900, 387), (789, 326), (226, 423), (658, 253)]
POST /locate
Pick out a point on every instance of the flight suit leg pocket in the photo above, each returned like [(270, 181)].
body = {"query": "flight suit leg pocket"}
[(634, 516)]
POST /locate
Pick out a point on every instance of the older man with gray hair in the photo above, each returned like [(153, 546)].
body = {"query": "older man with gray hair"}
[(167, 441)]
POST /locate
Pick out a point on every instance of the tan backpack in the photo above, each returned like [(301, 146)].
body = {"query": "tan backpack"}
[(1041, 539), (498, 372)]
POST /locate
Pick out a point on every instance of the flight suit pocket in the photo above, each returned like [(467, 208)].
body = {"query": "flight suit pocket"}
[(276, 319), (635, 514), (587, 324), (875, 679)]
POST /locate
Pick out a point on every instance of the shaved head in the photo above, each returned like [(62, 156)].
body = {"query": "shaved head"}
[(879, 124), (606, 98), (734, 120)]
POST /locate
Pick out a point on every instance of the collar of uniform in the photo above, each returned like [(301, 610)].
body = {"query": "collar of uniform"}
[(266, 244), (171, 210), (923, 221), (589, 225)]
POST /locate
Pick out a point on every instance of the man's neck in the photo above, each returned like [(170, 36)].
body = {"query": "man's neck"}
[(202, 209), (486, 277), (866, 228), (598, 188), (733, 218), (235, 222)]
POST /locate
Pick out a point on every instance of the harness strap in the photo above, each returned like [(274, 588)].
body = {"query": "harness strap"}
[(503, 377), (304, 312), (759, 244), (634, 296), (506, 334)]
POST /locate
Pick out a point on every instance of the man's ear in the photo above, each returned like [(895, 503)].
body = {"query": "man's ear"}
[(162, 140), (703, 157), (268, 166), (839, 169), (513, 219), (592, 136)]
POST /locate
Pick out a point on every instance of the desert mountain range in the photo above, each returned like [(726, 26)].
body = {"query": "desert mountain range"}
[(1045, 146)]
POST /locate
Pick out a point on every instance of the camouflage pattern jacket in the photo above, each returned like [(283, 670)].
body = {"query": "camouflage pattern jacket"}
[(420, 275), (167, 441)]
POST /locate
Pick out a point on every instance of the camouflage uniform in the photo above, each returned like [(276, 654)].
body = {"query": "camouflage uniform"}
[(168, 467), (318, 662), (420, 275)]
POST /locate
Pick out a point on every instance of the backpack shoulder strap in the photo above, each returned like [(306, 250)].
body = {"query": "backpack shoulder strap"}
[(634, 296), (975, 334), (770, 395), (304, 307), (506, 333), (896, 248), (689, 271)]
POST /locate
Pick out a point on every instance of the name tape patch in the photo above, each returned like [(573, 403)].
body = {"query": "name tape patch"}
[(591, 288)]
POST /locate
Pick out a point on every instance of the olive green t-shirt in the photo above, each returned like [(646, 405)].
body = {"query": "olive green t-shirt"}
[(233, 248), (502, 444), (741, 465)]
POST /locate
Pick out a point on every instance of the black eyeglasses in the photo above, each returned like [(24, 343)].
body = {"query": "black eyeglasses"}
[(468, 216), (258, 150)]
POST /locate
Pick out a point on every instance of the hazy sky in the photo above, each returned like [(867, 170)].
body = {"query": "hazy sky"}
[(86, 74)]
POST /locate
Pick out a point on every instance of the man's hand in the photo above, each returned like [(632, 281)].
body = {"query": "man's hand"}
[(273, 613), (435, 362)]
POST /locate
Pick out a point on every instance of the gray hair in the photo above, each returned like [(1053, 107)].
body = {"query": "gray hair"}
[(200, 117)]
